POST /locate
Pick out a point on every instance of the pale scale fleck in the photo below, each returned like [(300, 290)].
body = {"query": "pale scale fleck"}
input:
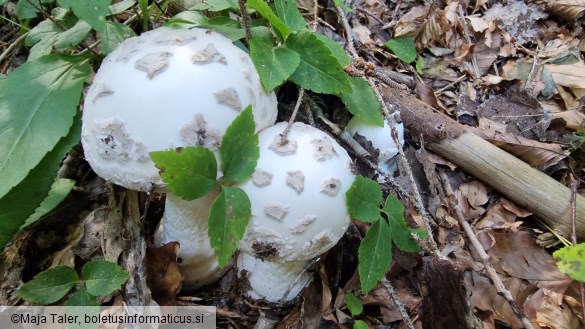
[(295, 180), (276, 210), (323, 149), (301, 225), (261, 178), (229, 97), (154, 63), (330, 186), (287, 148)]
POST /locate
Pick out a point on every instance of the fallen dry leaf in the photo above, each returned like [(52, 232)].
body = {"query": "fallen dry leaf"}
[(569, 10), (164, 276), (518, 19), (568, 75)]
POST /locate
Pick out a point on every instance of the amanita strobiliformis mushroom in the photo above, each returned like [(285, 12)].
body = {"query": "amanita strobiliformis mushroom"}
[(298, 208), (165, 89)]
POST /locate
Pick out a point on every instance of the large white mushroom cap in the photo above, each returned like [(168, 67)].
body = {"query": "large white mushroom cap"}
[(297, 195), (165, 89)]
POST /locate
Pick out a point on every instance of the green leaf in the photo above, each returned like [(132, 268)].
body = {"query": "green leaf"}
[(37, 104), (73, 36), (120, 7), (239, 150), (343, 6), (364, 198), (228, 27), (24, 198), (228, 219), (374, 255), (102, 277), (401, 232), (420, 65), (25, 10), (42, 38), (354, 305), (274, 64), (215, 5), (362, 102), (336, 50), (359, 324), (189, 172), (82, 298), (59, 190), (94, 12), (571, 261), (403, 48), (186, 19), (114, 33), (318, 70), (263, 9), (49, 286), (288, 11)]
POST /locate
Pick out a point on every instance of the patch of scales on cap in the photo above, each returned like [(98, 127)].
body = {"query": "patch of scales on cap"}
[(319, 243), (177, 40), (301, 225), (115, 143), (323, 149), (275, 210), (196, 133), (330, 186), (229, 97), (261, 178), (295, 180), (101, 91), (289, 146), (207, 55), (154, 63)]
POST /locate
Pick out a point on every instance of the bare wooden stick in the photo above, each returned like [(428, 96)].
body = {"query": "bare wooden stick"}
[(485, 258), (525, 185), (401, 308)]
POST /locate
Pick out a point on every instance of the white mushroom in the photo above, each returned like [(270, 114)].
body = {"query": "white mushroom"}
[(165, 89), (298, 208), (381, 139)]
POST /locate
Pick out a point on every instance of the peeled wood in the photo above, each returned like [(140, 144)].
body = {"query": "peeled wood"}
[(525, 185)]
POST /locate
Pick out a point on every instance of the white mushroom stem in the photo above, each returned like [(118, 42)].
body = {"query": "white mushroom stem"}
[(186, 222), (274, 281)]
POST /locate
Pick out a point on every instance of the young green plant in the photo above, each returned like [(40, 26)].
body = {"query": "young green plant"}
[(389, 228)]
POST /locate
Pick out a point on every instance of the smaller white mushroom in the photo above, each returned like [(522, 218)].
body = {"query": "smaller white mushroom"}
[(381, 139), (298, 208)]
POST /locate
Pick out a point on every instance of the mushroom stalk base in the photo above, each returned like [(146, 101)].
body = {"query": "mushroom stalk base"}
[(273, 281), (186, 223)]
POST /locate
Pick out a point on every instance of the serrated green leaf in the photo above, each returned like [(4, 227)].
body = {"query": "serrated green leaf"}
[(239, 150), (37, 104), (420, 65), (274, 64), (264, 10), (288, 11), (394, 208), (571, 261), (42, 38), (401, 232), (228, 219), (59, 190), (364, 198), (230, 28), (403, 48), (49, 286), (189, 172), (82, 298), (114, 33), (24, 198), (359, 324), (102, 277), (318, 70), (93, 12), (336, 50), (354, 305), (374, 255), (362, 102), (73, 36), (215, 5)]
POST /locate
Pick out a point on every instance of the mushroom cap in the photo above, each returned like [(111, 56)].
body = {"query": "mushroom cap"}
[(297, 195), (167, 88), (379, 136)]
